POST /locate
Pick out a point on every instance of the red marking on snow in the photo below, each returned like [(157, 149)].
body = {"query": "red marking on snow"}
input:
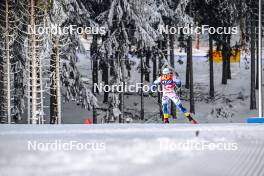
[(87, 121)]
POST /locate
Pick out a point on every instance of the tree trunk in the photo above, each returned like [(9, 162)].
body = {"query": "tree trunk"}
[(242, 36), (142, 81), (187, 74), (53, 97), (197, 38), (94, 115), (112, 66), (94, 73), (257, 66), (211, 67), (94, 57), (29, 92), (105, 79), (229, 57), (105, 74), (171, 39), (253, 49), (58, 85), (8, 66), (2, 104), (55, 108), (164, 46), (128, 67), (160, 93), (122, 65), (40, 79), (148, 57), (224, 68), (189, 55), (34, 117), (154, 72)]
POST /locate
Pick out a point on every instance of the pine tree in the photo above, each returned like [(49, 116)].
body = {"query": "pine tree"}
[(11, 88)]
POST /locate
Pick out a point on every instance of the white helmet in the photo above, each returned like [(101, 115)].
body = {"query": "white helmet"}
[(165, 71)]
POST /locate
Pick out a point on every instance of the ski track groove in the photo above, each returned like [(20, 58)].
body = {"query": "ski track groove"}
[(255, 161), (261, 165), (252, 158), (258, 162), (246, 155), (234, 160)]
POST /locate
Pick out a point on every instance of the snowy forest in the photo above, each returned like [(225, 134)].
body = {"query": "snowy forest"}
[(49, 78)]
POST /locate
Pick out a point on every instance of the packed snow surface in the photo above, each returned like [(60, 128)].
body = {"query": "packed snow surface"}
[(134, 149)]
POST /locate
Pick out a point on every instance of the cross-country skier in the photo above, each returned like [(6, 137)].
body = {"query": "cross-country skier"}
[(169, 82)]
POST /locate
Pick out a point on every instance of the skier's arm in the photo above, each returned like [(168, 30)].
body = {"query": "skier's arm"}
[(177, 82), (154, 84), (157, 81)]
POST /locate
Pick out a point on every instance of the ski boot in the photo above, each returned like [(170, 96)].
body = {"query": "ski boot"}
[(166, 118), (189, 117)]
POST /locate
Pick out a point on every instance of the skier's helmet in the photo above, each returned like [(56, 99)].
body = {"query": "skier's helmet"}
[(166, 71)]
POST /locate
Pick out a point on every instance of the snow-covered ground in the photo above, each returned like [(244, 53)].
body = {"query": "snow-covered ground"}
[(128, 150)]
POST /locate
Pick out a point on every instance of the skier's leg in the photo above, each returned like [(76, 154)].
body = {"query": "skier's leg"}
[(165, 109), (176, 100)]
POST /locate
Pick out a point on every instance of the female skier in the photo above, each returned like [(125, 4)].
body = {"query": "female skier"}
[(169, 83)]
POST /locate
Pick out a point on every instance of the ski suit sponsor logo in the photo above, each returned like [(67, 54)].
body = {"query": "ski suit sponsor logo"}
[(166, 81)]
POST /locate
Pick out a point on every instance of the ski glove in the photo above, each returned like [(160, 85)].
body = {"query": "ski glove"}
[(178, 83), (153, 88)]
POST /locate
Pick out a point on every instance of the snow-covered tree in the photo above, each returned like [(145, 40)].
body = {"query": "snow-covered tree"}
[(11, 104), (27, 58), (65, 78)]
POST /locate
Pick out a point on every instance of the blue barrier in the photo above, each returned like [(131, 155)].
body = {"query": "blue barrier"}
[(255, 120)]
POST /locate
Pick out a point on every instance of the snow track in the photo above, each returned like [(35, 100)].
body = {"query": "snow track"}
[(134, 149)]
